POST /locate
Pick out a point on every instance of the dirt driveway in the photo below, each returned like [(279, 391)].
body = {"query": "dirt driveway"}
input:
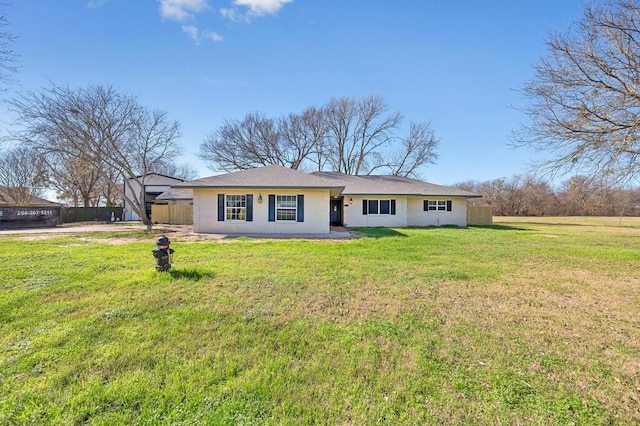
[(84, 227), (178, 230)]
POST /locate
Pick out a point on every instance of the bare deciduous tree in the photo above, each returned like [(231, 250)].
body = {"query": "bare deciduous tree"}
[(243, 144), (8, 65), (304, 135), (357, 129), (415, 150), (75, 178), (110, 129), (22, 173), (181, 171), (348, 135), (585, 95), (515, 196)]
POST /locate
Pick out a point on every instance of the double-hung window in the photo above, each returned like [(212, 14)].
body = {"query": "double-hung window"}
[(236, 207), (286, 208), (385, 207), (437, 205), (379, 207)]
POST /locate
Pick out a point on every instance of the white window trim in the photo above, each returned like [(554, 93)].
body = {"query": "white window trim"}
[(293, 209), (227, 207), (439, 205)]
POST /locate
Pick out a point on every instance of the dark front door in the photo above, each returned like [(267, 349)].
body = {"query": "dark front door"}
[(336, 212)]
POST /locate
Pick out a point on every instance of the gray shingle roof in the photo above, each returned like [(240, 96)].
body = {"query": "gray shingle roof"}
[(282, 177), (6, 200), (176, 194), (272, 176), (391, 185)]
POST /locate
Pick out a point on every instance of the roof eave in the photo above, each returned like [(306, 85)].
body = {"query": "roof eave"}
[(256, 186), (369, 194)]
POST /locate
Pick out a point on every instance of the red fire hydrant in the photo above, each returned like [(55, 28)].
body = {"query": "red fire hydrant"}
[(163, 254)]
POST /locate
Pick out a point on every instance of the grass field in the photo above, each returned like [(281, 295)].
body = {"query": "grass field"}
[(529, 321)]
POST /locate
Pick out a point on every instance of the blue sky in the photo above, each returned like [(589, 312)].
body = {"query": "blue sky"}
[(458, 64)]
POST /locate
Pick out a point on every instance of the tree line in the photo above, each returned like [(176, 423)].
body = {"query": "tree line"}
[(526, 195)]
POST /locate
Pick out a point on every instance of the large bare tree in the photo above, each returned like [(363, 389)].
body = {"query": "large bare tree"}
[(257, 140), (304, 134), (243, 144), (348, 135), (101, 126), (415, 150), (585, 95), (357, 130), (75, 177), (22, 173)]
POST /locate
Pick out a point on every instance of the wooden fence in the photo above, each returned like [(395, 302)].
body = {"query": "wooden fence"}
[(172, 214), (479, 215)]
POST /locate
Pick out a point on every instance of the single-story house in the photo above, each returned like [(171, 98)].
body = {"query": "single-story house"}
[(39, 212), (276, 199), (154, 185)]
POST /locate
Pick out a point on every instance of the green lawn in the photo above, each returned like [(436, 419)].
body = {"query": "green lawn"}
[(530, 321)]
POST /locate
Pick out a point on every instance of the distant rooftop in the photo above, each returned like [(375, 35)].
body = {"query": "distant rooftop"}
[(6, 200)]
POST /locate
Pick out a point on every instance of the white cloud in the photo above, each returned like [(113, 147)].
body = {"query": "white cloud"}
[(193, 32), (197, 35), (211, 35), (233, 15), (262, 7), (181, 10), (94, 4)]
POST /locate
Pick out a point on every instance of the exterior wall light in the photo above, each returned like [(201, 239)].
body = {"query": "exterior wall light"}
[(259, 198), (350, 200)]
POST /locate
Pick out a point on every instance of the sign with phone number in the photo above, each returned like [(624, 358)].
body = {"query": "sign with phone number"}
[(17, 213), (34, 213)]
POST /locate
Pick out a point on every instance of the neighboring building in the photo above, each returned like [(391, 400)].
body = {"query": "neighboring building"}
[(276, 199), (39, 212), (174, 207), (154, 185), (175, 197)]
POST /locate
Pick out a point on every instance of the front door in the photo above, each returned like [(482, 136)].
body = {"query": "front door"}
[(336, 212)]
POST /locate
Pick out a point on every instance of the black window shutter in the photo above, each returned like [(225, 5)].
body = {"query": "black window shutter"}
[(300, 208), (249, 207), (220, 207), (365, 207), (425, 205), (448, 205), (393, 206), (272, 208)]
